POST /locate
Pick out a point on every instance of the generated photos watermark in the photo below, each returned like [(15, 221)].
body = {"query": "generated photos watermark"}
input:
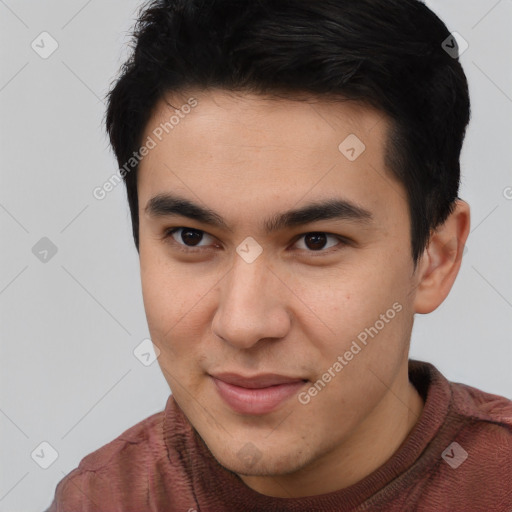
[(305, 397), (151, 142)]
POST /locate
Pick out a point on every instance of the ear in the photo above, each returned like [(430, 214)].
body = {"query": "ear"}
[(440, 263)]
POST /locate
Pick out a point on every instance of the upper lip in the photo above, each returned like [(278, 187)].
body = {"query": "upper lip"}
[(256, 381)]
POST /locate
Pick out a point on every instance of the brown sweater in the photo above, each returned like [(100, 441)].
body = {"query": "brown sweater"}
[(161, 464)]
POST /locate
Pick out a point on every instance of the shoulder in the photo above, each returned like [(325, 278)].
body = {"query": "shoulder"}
[(115, 471), (474, 469), (492, 411), (486, 430), (138, 441)]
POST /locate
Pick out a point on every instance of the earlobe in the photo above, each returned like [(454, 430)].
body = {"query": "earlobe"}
[(441, 260)]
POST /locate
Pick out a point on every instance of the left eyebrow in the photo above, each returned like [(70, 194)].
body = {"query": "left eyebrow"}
[(338, 209), (167, 205)]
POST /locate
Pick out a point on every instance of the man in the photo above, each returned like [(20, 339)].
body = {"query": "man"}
[(292, 170)]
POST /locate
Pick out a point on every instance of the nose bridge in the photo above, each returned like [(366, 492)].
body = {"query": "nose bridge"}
[(249, 306), (247, 286)]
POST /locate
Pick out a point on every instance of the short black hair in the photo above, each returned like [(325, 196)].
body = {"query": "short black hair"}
[(386, 54)]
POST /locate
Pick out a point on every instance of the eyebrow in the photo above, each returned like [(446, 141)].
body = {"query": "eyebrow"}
[(167, 205)]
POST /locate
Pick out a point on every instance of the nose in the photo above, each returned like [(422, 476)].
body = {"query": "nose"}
[(252, 305)]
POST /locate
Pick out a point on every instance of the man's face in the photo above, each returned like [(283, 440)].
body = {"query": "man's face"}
[(237, 297)]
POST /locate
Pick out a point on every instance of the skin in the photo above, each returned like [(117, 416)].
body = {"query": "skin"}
[(296, 307)]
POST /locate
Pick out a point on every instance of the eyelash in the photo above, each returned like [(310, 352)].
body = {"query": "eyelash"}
[(190, 250)]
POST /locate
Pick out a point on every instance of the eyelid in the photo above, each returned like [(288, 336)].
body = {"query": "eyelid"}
[(343, 241)]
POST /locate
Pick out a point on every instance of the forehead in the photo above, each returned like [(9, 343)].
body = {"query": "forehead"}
[(268, 121), (230, 146)]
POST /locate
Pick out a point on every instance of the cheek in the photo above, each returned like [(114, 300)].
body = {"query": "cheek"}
[(351, 296), (161, 293), (171, 320), (366, 305), (175, 301)]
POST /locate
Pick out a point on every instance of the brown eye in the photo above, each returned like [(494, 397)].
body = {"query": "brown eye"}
[(317, 241), (191, 236), (186, 238)]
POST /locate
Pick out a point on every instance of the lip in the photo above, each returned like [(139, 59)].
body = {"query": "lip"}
[(259, 394)]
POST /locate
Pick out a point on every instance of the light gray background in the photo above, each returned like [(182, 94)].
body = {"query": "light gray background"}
[(69, 326)]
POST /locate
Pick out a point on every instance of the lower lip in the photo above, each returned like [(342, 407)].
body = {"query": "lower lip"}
[(256, 401)]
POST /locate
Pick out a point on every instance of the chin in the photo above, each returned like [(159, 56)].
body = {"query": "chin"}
[(251, 461)]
